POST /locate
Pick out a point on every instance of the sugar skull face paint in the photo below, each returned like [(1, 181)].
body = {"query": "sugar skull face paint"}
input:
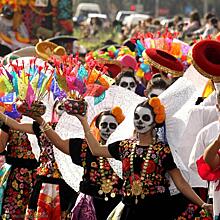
[(128, 83), (143, 119), (155, 93), (107, 126)]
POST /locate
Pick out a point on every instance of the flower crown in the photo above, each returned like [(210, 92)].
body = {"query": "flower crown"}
[(158, 109), (118, 114)]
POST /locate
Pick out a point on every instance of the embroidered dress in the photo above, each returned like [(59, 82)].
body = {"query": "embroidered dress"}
[(99, 181), (152, 198), (4, 173), (51, 196), (22, 176)]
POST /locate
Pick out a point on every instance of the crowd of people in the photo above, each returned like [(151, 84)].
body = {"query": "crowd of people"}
[(129, 130)]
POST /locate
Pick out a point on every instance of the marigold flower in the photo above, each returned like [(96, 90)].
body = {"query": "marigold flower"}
[(155, 101), (118, 114)]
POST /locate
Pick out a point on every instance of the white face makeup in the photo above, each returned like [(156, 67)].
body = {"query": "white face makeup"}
[(155, 93), (143, 119), (107, 126), (128, 83)]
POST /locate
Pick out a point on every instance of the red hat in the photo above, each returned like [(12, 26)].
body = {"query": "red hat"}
[(206, 59), (114, 66), (163, 61)]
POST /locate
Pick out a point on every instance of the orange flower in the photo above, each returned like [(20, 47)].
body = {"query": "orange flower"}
[(155, 101), (159, 109), (117, 112), (160, 118)]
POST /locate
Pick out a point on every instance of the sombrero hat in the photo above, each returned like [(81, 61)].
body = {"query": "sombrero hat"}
[(109, 43), (46, 49), (206, 59), (23, 52), (163, 61), (114, 66), (62, 39)]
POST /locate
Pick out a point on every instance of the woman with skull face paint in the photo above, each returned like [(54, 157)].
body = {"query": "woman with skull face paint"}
[(100, 188), (128, 81), (52, 197), (156, 86), (145, 162)]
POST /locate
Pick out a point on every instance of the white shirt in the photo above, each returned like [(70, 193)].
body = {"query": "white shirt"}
[(204, 138), (199, 117)]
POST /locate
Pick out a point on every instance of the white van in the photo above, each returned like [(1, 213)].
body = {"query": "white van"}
[(83, 9)]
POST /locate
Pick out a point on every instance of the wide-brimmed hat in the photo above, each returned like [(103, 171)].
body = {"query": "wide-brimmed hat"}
[(23, 52), (109, 43), (66, 41), (46, 49), (114, 66), (163, 61), (206, 59)]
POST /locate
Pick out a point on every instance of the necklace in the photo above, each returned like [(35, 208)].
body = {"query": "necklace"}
[(137, 185), (106, 183)]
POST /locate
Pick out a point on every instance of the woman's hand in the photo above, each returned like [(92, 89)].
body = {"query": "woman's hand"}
[(82, 118), (208, 208)]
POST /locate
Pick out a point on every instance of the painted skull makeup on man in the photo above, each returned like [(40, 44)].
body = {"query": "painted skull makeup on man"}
[(128, 83), (143, 119), (107, 126)]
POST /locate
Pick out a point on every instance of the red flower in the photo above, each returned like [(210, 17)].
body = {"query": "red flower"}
[(150, 167), (126, 164)]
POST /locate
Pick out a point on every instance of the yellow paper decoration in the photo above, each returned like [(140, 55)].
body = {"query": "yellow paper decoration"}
[(22, 89)]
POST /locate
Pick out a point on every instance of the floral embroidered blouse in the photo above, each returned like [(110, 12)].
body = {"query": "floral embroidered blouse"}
[(18, 145), (94, 176), (48, 166), (161, 160)]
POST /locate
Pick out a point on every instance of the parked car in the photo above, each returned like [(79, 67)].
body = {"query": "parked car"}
[(101, 19), (122, 14), (83, 9), (133, 19)]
